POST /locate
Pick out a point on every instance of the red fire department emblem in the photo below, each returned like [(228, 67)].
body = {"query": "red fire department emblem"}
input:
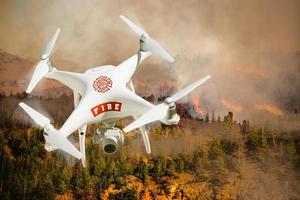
[(102, 84)]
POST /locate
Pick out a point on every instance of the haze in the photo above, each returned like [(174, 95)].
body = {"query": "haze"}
[(252, 48)]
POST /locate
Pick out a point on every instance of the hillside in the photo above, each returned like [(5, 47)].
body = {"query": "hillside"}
[(199, 159), (15, 74)]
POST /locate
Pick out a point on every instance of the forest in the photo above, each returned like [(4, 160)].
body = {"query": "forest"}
[(201, 158)]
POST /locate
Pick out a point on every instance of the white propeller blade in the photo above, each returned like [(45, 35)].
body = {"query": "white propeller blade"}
[(152, 45), (38, 118), (139, 31), (42, 67), (148, 44), (189, 88), (159, 112), (40, 71), (54, 137), (48, 49)]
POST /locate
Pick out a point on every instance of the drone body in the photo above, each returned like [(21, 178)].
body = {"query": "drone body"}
[(105, 94)]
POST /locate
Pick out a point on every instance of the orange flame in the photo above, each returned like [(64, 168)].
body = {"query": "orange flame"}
[(232, 106), (196, 105), (269, 108), (251, 70)]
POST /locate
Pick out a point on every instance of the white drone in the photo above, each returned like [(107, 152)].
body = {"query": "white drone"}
[(105, 94)]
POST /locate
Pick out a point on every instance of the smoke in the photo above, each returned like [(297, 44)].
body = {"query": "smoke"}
[(251, 48)]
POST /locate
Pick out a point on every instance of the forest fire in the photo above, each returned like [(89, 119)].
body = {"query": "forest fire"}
[(196, 105), (232, 106), (269, 108)]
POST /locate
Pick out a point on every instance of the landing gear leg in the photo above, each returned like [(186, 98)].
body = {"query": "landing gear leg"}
[(82, 134)]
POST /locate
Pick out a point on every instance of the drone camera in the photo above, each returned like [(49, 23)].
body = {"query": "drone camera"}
[(109, 138)]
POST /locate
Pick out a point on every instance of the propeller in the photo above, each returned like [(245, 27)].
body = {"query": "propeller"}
[(38, 118), (53, 137), (42, 67), (160, 111), (147, 43), (49, 47)]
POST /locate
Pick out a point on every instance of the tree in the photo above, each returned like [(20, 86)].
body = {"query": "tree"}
[(229, 146), (253, 140), (141, 171), (129, 194), (215, 149), (199, 160), (179, 164)]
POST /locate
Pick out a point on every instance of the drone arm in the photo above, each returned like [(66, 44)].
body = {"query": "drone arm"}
[(73, 80), (130, 86), (78, 119), (76, 97), (159, 112), (128, 67)]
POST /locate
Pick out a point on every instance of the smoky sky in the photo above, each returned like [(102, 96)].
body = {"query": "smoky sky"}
[(251, 48)]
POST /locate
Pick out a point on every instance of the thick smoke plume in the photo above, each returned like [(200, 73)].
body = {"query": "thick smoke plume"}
[(251, 48)]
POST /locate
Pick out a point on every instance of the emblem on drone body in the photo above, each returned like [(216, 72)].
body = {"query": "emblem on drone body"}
[(102, 84)]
